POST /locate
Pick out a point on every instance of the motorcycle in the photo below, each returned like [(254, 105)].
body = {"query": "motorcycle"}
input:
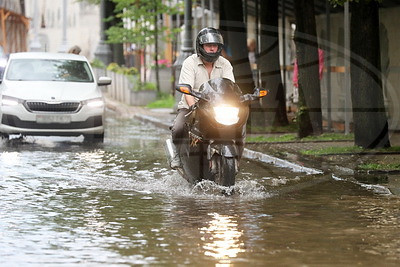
[(215, 130)]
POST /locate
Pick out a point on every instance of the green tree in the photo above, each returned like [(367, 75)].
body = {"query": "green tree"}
[(309, 115), (139, 24), (369, 115)]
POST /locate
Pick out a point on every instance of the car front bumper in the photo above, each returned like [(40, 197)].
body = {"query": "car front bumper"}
[(17, 120)]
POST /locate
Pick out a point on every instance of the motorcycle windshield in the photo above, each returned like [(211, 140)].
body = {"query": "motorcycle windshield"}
[(221, 90)]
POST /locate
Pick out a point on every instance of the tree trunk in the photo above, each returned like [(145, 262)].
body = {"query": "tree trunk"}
[(309, 115), (269, 65), (234, 30), (369, 115), (156, 47), (117, 50)]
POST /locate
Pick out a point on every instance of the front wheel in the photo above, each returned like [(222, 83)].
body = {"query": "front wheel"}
[(4, 136), (94, 138), (226, 170)]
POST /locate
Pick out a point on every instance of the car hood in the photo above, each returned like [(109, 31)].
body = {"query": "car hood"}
[(50, 91)]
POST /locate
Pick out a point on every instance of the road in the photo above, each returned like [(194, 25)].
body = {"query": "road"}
[(67, 202)]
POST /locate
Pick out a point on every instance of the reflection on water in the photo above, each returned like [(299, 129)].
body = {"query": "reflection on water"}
[(222, 239), (65, 202)]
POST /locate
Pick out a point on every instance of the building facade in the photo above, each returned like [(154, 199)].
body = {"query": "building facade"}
[(50, 32)]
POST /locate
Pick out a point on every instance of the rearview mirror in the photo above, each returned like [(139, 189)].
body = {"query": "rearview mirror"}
[(260, 92), (184, 89), (187, 89)]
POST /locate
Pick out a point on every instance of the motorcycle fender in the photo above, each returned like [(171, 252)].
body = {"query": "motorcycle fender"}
[(229, 151)]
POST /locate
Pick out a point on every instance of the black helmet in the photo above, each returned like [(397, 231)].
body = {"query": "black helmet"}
[(209, 36)]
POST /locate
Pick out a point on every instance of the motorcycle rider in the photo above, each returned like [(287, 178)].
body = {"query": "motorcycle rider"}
[(207, 63)]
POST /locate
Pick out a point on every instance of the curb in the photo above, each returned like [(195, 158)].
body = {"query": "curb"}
[(254, 155)]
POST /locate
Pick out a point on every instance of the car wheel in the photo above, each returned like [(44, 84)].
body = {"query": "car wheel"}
[(4, 136), (94, 138)]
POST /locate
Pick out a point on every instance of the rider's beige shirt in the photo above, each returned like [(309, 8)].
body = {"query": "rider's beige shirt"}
[(195, 73)]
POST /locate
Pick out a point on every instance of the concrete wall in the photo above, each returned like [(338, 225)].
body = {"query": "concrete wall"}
[(122, 89)]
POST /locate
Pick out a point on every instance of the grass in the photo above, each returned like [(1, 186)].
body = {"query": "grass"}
[(378, 166), (291, 128), (164, 101), (346, 150), (293, 137)]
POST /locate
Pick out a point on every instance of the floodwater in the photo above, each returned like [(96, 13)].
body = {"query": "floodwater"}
[(64, 202)]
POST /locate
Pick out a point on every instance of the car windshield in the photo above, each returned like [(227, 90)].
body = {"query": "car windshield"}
[(49, 70)]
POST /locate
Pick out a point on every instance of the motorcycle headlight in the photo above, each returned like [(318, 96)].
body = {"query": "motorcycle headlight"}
[(95, 102), (10, 101), (226, 115)]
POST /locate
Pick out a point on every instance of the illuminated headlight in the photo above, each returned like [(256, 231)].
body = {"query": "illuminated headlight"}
[(94, 103), (226, 115), (10, 101)]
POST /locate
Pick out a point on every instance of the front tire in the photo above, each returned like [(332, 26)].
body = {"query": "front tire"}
[(94, 138), (226, 170), (4, 136)]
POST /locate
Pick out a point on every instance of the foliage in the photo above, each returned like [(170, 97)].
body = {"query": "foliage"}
[(280, 138), (292, 137), (149, 86), (330, 137), (347, 150), (164, 101), (379, 166), (97, 63), (137, 24), (138, 85), (114, 67), (292, 127)]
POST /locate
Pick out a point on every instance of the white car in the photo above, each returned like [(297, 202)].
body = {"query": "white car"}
[(51, 94)]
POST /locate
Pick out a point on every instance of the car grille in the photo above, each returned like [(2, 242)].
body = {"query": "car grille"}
[(64, 107), (14, 121)]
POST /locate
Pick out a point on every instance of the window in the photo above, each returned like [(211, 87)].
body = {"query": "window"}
[(49, 70)]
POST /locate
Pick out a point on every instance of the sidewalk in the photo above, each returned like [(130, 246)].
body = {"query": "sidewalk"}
[(284, 154)]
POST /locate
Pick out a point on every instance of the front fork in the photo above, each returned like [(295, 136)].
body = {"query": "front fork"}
[(216, 150)]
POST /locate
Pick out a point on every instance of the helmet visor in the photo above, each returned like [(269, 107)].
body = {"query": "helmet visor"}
[(211, 38)]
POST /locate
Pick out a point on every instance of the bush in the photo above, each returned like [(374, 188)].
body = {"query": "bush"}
[(149, 86), (114, 67), (164, 101), (97, 63)]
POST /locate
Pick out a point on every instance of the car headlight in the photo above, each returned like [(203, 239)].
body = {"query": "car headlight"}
[(10, 101), (94, 103), (226, 115)]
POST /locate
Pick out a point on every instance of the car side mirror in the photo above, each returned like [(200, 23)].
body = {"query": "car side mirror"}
[(104, 81)]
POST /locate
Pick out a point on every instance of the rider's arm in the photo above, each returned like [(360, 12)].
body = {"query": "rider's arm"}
[(190, 100), (228, 71), (187, 76)]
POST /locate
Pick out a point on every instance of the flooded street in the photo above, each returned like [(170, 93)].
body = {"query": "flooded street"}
[(65, 202)]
